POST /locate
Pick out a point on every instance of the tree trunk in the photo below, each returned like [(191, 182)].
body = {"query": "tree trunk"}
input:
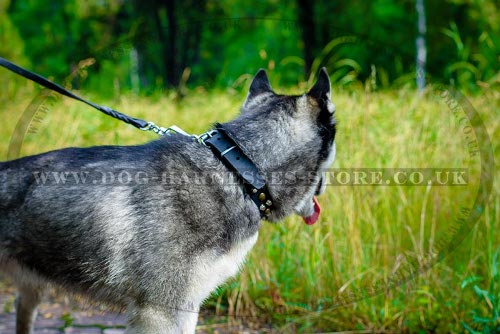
[(305, 11), (170, 57), (192, 38), (421, 56)]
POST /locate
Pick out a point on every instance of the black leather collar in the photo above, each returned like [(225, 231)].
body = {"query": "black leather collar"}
[(233, 157)]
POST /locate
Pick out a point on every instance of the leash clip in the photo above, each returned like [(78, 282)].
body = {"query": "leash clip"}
[(204, 136), (175, 129), (164, 131)]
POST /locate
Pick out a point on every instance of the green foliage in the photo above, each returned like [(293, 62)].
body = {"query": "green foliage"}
[(147, 45), (470, 68), (68, 319), (342, 71), (65, 33), (11, 47), (488, 299)]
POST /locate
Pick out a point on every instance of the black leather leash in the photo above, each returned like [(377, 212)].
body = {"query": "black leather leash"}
[(138, 123), (223, 146)]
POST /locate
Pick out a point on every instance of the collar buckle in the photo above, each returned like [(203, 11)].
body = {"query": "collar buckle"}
[(204, 136)]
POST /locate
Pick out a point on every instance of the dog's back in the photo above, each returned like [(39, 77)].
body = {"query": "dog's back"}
[(101, 238)]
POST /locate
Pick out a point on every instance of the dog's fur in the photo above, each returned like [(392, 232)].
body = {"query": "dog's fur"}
[(159, 249)]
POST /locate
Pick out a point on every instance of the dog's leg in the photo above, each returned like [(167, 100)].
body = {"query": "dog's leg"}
[(152, 321), (26, 304), (189, 323), (147, 320)]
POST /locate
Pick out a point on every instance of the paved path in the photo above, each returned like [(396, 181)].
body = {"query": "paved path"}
[(61, 317), (64, 315)]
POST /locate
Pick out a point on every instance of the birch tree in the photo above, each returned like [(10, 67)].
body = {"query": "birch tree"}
[(421, 49)]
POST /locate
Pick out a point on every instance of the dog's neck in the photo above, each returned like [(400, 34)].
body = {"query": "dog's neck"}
[(276, 159), (232, 155)]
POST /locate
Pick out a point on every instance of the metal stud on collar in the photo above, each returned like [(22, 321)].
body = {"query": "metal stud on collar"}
[(259, 194)]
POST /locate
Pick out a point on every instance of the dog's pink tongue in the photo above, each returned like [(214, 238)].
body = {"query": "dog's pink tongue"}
[(309, 220)]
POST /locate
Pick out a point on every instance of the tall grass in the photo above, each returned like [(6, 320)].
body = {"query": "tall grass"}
[(302, 278)]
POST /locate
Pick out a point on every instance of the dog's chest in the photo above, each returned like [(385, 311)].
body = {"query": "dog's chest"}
[(211, 270)]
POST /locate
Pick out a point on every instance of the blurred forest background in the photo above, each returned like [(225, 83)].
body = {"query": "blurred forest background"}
[(146, 45)]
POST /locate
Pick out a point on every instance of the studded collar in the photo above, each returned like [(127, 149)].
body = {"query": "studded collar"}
[(233, 157)]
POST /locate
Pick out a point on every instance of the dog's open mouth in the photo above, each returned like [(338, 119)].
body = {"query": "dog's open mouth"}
[(313, 208), (313, 218)]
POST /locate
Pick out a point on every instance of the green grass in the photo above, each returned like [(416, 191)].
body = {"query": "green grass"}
[(296, 276)]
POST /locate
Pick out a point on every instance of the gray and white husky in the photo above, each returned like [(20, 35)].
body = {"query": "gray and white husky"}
[(155, 241)]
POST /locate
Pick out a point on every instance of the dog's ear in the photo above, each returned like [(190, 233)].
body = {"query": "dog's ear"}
[(260, 84), (322, 94), (321, 89)]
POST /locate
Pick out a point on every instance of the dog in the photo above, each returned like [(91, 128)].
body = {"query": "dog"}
[(158, 244)]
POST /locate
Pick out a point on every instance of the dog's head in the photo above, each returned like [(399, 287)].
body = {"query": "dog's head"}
[(290, 139)]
